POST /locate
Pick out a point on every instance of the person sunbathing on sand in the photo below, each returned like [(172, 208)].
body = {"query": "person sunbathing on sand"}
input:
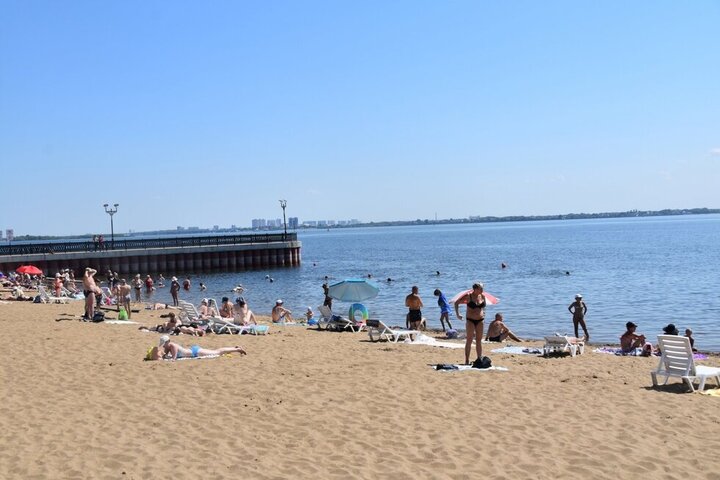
[(281, 314), (174, 325), (498, 331), (172, 351), (243, 314), (630, 340)]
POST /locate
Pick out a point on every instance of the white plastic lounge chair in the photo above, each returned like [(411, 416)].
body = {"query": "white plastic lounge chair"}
[(676, 360), (188, 314), (379, 331), (563, 343), (47, 298), (107, 297), (336, 322)]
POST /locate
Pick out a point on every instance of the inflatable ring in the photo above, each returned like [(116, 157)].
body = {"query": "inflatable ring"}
[(358, 308)]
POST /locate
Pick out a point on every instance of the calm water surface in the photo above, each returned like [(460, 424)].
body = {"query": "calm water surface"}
[(652, 271)]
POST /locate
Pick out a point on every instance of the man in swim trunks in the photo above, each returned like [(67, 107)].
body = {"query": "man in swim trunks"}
[(124, 296), (414, 304), (630, 340), (90, 289), (498, 331), (281, 314)]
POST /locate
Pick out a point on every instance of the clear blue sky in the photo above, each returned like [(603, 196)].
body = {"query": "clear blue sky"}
[(203, 113)]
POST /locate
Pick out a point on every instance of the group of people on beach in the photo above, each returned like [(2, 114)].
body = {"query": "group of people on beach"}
[(632, 342)]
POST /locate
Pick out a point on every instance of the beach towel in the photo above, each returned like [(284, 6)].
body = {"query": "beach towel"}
[(516, 350), (464, 368), (422, 339), (637, 352), (120, 322)]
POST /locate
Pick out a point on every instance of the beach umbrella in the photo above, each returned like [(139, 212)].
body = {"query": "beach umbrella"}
[(489, 299), (29, 269), (353, 290)]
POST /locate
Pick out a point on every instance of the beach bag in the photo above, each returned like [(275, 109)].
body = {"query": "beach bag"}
[(38, 299), (482, 362), (98, 317), (122, 315)]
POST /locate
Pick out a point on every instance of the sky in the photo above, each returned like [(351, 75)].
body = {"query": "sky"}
[(200, 113)]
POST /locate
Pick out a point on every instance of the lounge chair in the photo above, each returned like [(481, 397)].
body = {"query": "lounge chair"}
[(336, 322), (189, 314), (563, 343), (676, 360), (47, 298), (376, 328)]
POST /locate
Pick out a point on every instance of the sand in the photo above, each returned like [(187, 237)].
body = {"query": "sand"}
[(78, 401)]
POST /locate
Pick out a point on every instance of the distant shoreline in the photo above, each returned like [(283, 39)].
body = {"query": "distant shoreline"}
[(396, 223)]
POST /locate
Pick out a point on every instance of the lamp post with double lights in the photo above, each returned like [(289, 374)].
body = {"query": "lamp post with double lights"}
[(111, 211), (283, 204)]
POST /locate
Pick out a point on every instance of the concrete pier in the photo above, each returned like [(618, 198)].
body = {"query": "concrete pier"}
[(168, 256)]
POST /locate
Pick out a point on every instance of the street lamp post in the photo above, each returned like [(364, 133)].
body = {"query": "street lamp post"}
[(283, 204), (111, 211)]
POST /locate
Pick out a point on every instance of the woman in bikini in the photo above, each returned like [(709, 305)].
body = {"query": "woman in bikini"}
[(172, 351), (474, 322)]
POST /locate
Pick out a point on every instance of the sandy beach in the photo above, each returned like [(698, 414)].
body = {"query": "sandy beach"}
[(78, 401)]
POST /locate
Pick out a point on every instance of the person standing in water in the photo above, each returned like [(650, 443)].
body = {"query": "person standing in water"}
[(578, 310)]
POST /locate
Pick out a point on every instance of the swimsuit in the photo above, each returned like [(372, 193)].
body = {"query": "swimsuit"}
[(496, 339), (195, 349), (87, 293), (480, 306), (415, 316)]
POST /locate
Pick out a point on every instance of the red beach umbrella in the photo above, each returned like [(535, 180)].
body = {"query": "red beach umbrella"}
[(29, 269), (489, 299)]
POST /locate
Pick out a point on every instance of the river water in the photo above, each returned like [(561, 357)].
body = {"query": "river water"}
[(652, 271)]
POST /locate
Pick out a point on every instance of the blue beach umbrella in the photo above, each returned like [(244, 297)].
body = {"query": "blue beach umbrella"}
[(353, 290)]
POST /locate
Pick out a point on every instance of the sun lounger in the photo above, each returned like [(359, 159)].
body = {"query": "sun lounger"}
[(562, 343), (676, 360), (377, 330), (47, 298), (330, 321)]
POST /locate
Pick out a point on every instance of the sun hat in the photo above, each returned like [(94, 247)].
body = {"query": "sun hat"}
[(578, 296), (671, 329), (630, 325), (164, 339), (174, 279), (278, 302), (204, 300)]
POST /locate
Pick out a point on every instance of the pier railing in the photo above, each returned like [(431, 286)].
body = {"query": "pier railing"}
[(144, 244)]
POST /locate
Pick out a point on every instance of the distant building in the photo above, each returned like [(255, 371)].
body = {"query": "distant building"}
[(293, 223), (193, 229), (259, 223), (216, 228), (179, 228)]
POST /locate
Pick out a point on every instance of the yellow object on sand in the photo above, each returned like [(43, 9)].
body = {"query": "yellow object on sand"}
[(715, 392)]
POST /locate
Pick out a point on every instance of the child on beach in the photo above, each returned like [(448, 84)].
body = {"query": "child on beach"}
[(688, 334), (444, 308)]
